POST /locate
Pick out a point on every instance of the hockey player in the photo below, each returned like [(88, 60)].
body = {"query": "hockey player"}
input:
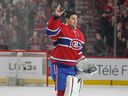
[(68, 41)]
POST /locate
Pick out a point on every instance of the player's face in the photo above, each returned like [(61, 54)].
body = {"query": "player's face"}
[(72, 21)]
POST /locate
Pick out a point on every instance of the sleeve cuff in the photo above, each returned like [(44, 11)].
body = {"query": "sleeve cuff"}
[(56, 17)]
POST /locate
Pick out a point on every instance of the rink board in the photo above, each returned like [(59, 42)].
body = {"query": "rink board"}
[(85, 82), (111, 71), (25, 68), (4, 81), (100, 82)]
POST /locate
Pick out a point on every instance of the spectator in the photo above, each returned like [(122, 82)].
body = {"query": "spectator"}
[(40, 19), (126, 31), (120, 45), (14, 44), (3, 45), (34, 41), (124, 18), (108, 30), (124, 6), (99, 46)]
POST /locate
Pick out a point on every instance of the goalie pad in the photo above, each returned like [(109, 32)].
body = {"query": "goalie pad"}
[(86, 68), (73, 86)]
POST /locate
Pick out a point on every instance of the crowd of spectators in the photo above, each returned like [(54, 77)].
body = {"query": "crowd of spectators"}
[(112, 13), (23, 22), (12, 24)]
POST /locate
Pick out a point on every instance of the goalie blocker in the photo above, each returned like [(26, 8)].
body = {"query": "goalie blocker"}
[(85, 69)]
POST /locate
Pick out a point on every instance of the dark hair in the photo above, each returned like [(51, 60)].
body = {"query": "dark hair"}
[(69, 12)]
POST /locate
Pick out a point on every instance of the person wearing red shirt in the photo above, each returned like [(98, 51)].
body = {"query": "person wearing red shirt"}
[(68, 41)]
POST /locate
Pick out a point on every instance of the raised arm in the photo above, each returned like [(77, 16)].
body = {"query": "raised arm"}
[(54, 24)]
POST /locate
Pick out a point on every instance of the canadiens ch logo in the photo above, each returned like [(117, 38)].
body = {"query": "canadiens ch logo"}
[(76, 44)]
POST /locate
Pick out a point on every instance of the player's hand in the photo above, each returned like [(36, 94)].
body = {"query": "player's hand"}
[(59, 11)]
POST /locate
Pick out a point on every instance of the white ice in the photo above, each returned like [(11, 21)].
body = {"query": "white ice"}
[(49, 91)]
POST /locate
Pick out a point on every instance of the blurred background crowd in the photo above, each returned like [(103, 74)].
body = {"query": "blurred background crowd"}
[(103, 22)]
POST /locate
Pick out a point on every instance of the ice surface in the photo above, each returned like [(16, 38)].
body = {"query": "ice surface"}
[(49, 91)]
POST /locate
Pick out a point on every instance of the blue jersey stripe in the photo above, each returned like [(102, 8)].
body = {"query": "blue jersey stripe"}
[(52, 32), (66, 42), (62, 41)]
